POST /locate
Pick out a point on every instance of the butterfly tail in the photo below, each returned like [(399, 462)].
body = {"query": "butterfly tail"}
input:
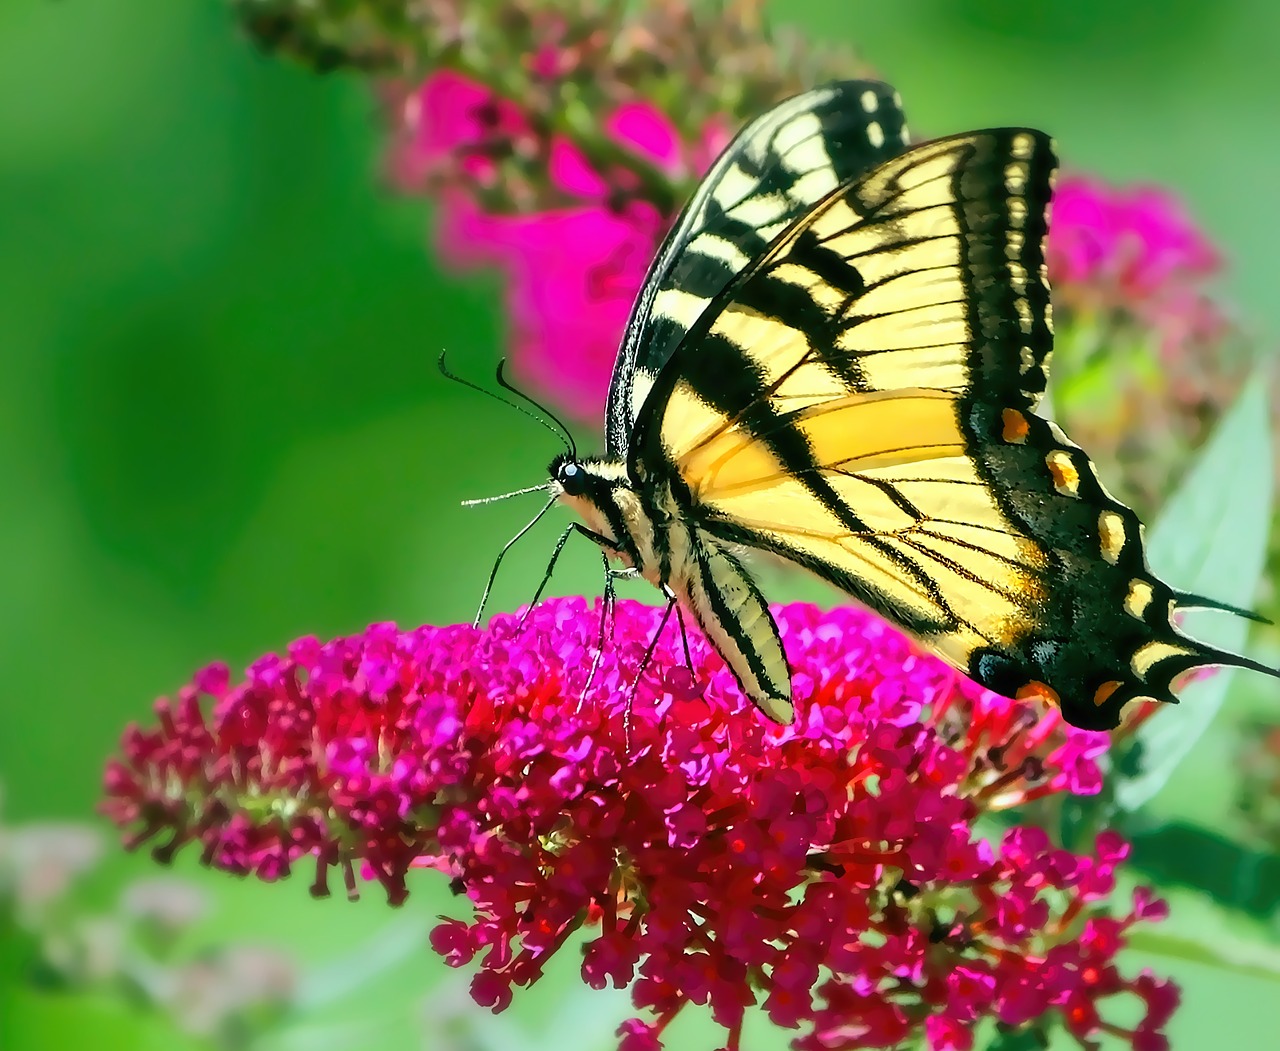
[(1201, 655), (1187, 600)]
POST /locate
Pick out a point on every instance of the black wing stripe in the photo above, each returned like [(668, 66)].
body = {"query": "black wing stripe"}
[(766, 161), (726, 379), (760, 535)]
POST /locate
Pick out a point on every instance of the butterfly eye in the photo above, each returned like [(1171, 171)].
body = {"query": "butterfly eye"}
[(572, 478)]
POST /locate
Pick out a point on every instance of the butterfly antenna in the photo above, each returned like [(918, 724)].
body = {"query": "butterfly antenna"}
[(505, 496), (493, 573), (570, 444), (564, 437)]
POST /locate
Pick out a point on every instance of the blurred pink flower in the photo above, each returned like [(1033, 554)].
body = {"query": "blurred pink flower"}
[(828, 871), (571, 276), (1141, 238), (573, 270), (1136, 252)]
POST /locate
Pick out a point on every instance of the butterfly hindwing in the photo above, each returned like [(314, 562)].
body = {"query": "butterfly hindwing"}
[(860, 400), (774, 171)]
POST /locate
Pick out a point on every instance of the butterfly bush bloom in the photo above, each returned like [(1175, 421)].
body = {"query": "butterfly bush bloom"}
[(1135, 252), (572, 270), (574, 261), (828, 872)]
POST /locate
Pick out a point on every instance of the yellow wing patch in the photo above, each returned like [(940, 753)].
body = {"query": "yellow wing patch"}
[(947, 558)]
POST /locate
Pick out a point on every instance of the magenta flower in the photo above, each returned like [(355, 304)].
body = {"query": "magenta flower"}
[(572, 269), (1136, 252), (1140, 238), (827, 872)]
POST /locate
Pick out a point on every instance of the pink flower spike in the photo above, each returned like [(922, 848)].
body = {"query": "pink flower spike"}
[(946, 1034), (454, 123), (1170, 244), (646, 130), (1135, 256), (1084, 234), (575, 252), (828, 870)]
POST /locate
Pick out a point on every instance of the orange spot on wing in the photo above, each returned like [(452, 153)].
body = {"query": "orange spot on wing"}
[(1066, 479), (1104, 692), (1016, 427), (1038, 691)]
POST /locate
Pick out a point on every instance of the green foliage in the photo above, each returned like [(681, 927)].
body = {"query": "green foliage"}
[(1211, 539), (220, 428)]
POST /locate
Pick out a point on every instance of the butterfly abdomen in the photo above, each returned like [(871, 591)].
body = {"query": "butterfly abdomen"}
[(735, 617)]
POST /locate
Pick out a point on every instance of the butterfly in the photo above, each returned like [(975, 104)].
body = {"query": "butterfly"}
[(836, 358)]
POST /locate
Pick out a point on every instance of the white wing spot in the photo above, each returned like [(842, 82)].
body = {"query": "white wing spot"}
[(1021, 146), (875, 134), (870, 103), (1111, 533), (716, 247), (734, 187), (761, 210), (803, 136), (1018, 278), (1025, 320), (1015, 177), (814, 186), (684, 308)]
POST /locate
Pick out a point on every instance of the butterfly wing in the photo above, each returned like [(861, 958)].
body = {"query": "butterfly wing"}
[(774, 171), (860, 401)]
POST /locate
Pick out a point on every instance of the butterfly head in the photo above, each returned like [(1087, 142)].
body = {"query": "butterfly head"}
[(600, 492), (569, 476), (592, 480)]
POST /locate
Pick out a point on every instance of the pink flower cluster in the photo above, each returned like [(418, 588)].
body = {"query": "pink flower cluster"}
[(1140, 238), (1133, 251), (572, 271), (828, 871)]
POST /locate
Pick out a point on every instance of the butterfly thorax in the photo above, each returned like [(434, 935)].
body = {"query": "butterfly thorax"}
[(645, 536), (648, 529)]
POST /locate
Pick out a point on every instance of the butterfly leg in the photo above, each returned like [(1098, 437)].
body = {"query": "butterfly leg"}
[(497, 562), (546, 577), (577, 527), (644, 663), (607, 610), (684, 633)]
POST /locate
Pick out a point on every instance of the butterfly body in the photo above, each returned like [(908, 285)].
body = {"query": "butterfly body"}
[(836, 358)]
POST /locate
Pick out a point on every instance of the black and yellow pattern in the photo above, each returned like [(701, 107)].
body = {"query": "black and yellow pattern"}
[(776, 169), (837, 358)]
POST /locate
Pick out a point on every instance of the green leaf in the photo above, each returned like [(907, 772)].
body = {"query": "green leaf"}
[(1178, 854), (1201, 931), (1256, 959), (1211, 539)]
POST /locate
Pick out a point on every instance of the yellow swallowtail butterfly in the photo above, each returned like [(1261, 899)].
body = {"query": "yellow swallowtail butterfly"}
[(836, 357)]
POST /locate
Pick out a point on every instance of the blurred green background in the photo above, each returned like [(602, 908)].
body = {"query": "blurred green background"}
[(221, 422)]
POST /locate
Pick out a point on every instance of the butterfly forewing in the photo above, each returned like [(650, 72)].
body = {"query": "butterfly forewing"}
[(859, 400), (776, 169)]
